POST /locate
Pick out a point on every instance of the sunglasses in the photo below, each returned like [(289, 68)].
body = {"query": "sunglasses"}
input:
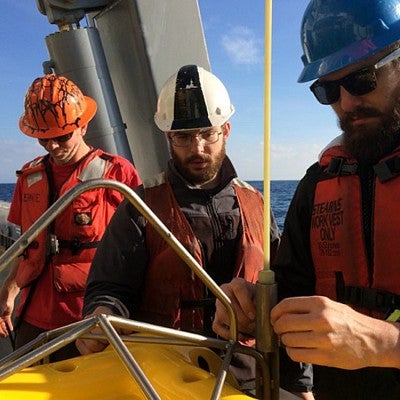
[(58, 139), (357, 83)]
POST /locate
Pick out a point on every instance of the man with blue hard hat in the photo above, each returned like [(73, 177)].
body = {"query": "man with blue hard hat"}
[(338, 264)]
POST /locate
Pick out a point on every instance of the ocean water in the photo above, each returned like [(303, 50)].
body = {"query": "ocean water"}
[(281, 194), (6, 191)]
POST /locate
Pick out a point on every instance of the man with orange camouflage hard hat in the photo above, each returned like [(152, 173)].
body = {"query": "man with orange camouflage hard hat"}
[(51, 274)]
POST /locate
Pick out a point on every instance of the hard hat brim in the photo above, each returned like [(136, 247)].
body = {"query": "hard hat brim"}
[(86, 116)]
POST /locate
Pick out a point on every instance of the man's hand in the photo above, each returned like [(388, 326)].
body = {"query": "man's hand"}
[(89, 346), (8, 293), (242, 294), (320, 331)]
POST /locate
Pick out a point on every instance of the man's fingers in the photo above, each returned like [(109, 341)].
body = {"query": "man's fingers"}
[(299, 305), (6, 326), (89, 346), (221, 328), (296, 323), (3, 329), (306, 340), (242, 295)]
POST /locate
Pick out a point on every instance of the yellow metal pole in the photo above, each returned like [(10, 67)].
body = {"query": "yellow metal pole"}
[(266, 289), (267, 275)]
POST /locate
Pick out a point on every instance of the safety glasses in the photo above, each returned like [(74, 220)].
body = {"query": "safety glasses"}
[(357, 83), (58, 139), (182, 139)]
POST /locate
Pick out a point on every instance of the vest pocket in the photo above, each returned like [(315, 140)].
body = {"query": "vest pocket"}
[(70, 277)]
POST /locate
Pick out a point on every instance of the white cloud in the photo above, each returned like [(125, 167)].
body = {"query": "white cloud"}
[(287, 161), (243, 46)]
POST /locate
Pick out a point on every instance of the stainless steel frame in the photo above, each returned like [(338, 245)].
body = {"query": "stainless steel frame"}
[(48, 342)]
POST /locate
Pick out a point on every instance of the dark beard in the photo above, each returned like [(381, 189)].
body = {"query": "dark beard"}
[(206, 174), (369, 144)]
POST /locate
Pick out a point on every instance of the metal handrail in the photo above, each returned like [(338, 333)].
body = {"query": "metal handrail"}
[(83, 327), (56, 208)]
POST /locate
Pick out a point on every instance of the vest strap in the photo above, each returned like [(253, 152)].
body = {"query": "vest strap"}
[(388, 169), (208, 307), (75, 245), (369, 298), (339, 166), (202, 303)]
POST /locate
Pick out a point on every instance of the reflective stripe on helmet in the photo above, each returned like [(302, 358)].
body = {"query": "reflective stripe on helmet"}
[(190, 109)]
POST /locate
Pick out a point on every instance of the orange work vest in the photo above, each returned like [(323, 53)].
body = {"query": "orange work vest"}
[(81, 224), (169, 281), (337, 236)]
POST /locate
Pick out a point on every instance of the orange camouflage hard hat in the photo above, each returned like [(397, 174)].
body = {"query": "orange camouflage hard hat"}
[(55, 106)]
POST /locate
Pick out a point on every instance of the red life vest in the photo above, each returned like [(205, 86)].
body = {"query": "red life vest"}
[(169, 281), (337, 238), (78, 228)]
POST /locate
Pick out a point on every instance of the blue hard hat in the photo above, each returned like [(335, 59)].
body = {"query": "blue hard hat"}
[(338, 33)]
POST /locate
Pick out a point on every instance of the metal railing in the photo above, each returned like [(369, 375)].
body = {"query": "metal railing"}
[(48, 342)]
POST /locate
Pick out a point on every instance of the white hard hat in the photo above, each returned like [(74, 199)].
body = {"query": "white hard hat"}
[(192, 98)]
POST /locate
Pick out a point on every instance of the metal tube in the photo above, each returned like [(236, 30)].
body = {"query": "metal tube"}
[(222, 373), (167, 332), (267, 341), (46, 349), (207, 342), (127, 358), (266, 298)]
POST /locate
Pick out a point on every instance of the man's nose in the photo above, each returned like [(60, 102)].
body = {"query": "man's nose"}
[(197, 142), (348, 102)]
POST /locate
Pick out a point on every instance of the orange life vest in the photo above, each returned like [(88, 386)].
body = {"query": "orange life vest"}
[(77, 229), (343, 271), (169, 281)]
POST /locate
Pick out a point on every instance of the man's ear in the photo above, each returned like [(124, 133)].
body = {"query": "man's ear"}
[(226, 129), (84, 130)]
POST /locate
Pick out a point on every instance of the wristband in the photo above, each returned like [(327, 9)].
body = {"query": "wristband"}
[(394, 316)]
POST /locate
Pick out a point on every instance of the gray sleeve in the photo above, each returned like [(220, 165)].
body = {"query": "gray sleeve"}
[(118, 268), (117, 307)]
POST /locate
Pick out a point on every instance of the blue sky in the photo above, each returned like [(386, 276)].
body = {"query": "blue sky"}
[(234, 32)]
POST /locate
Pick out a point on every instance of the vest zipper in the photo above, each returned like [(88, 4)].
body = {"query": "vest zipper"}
[(216, 229)]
